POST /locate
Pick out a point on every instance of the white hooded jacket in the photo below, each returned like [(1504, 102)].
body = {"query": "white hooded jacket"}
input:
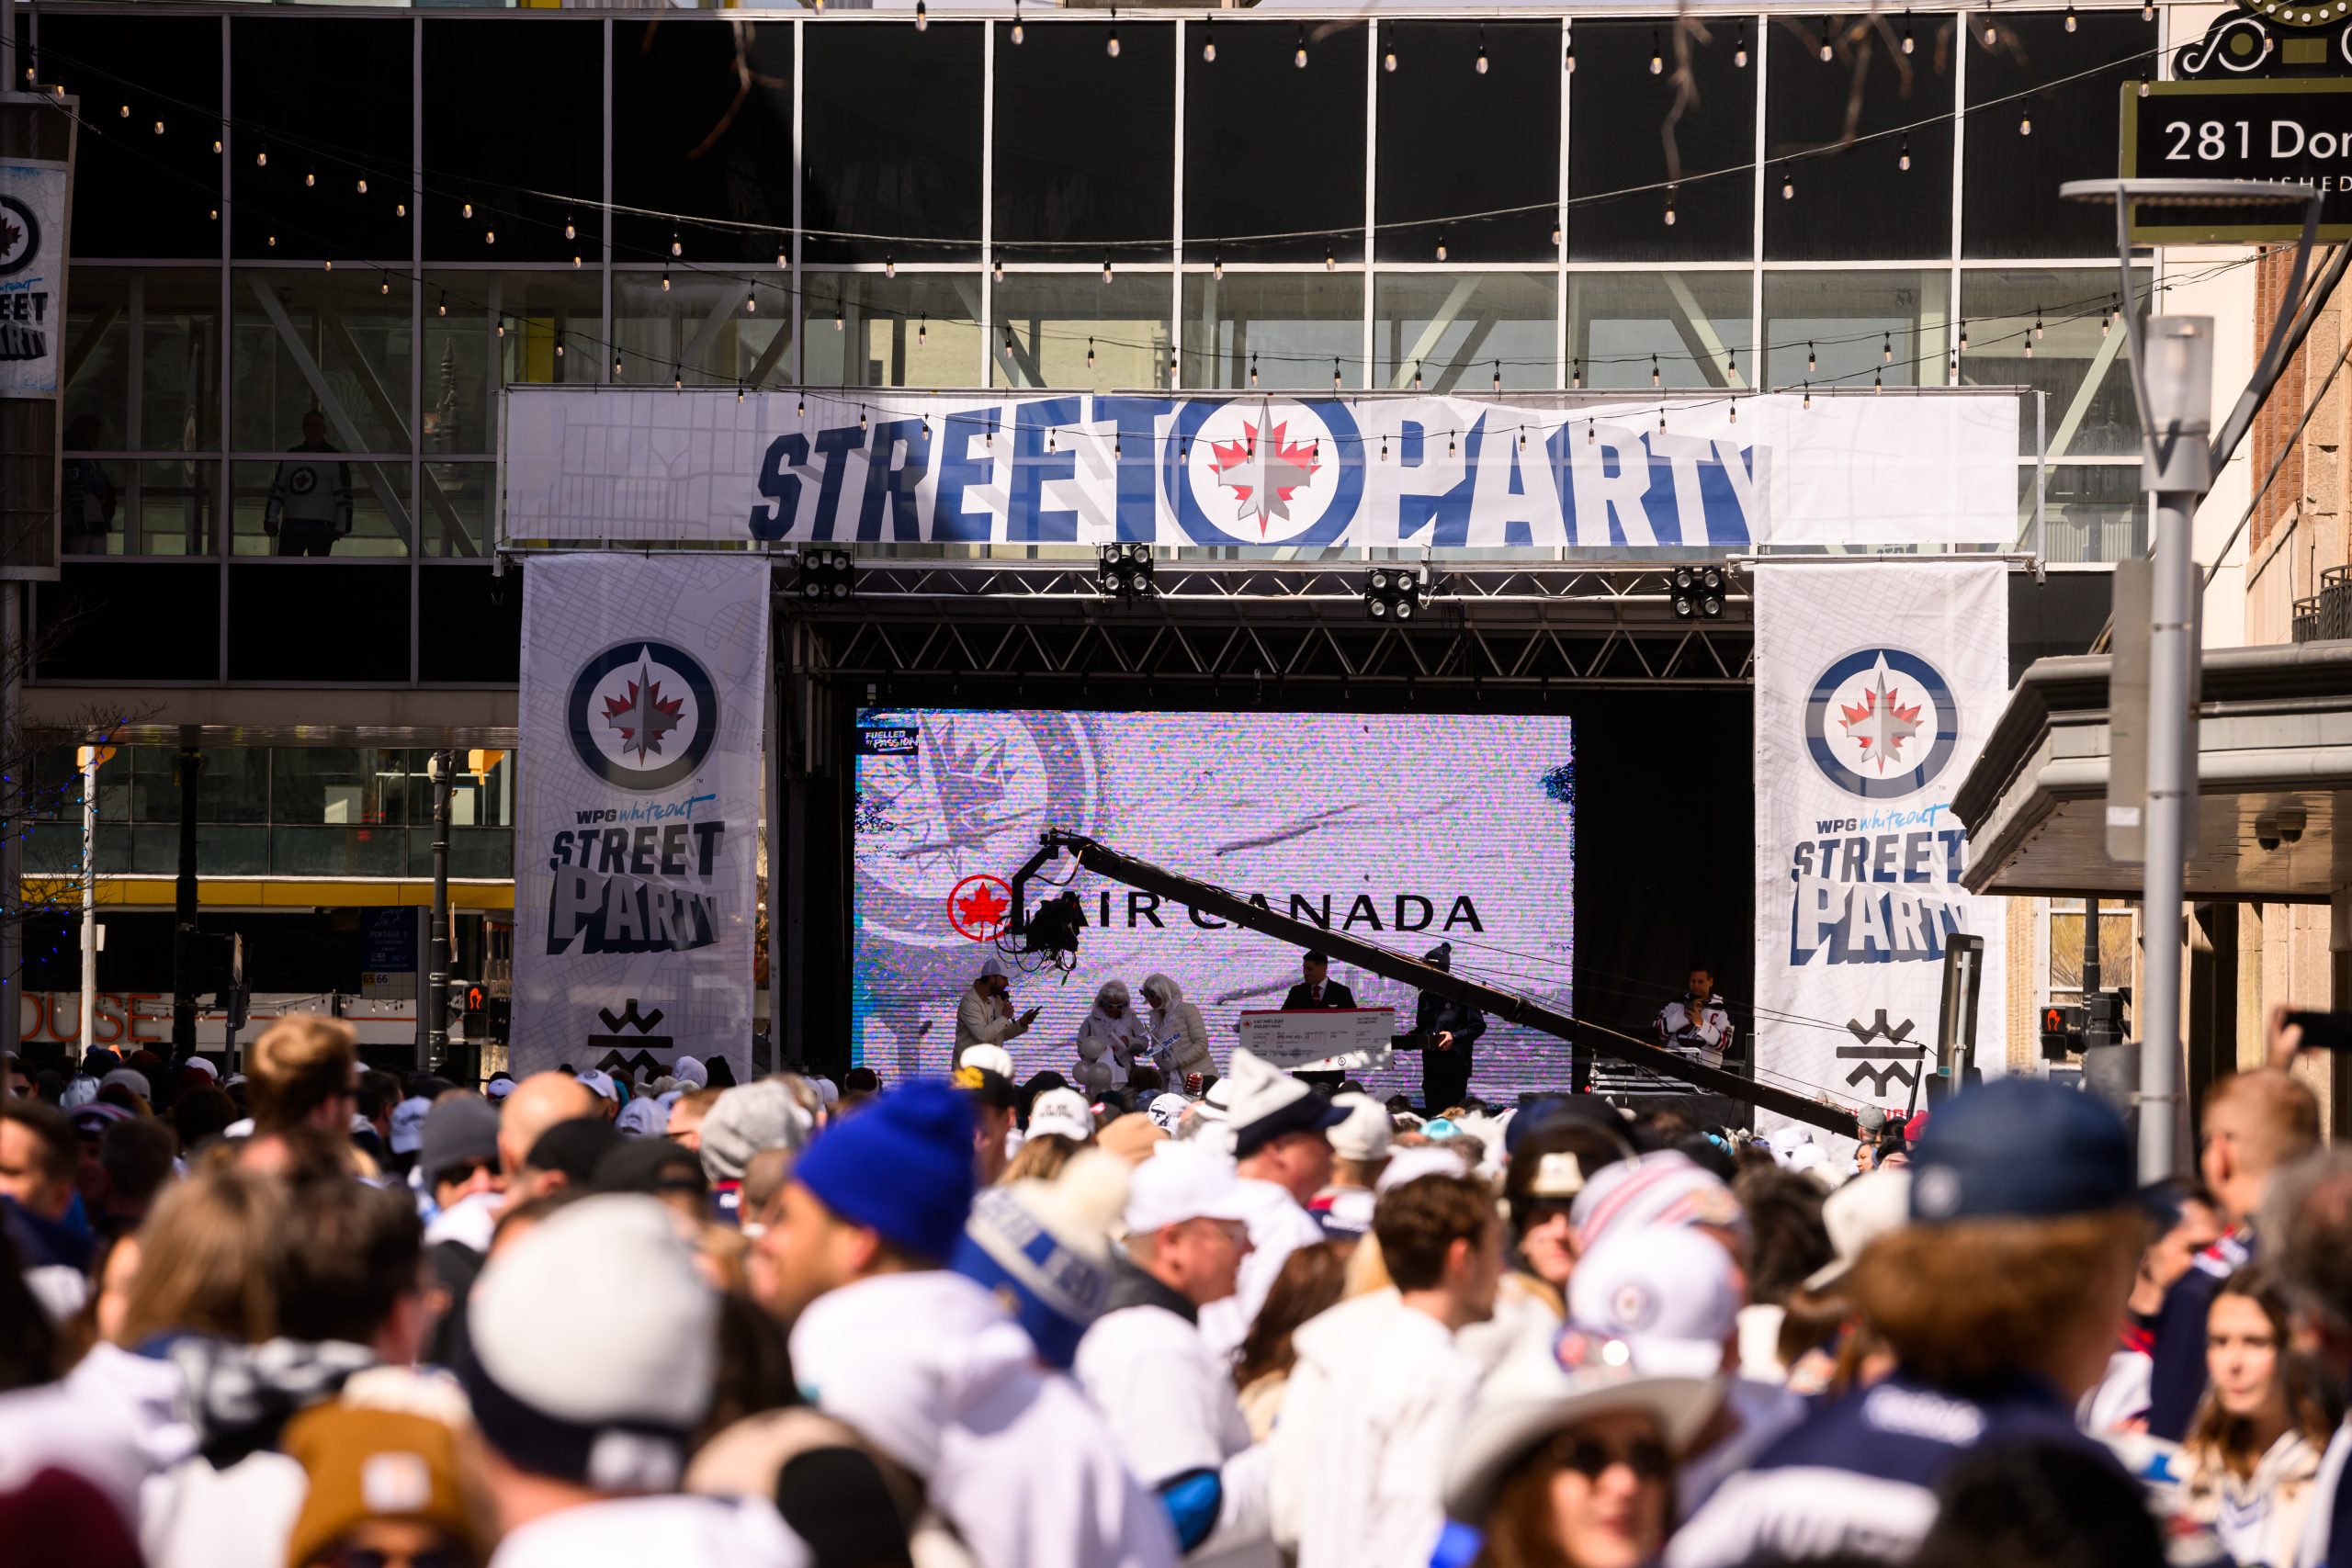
[(927, 1368), (1178, 1034), (1113, 1042), (1369, 1422)]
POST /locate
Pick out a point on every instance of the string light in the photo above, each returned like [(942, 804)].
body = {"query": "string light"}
[(362, 181), (1335, 373), (570, 230), (1788, 184), (1990, 33), (1522, 438), (216, 147), (1299, 56), (330, 265), (1653, 373), (2147, 13), (1568, 51), (400, 209), (1482, 49), (841, 323), (1808, 394), (922, 16), (1216, 268), (1661, 424), (1669, 207), (1878, 382), (386, 286), (442, 307), (738, 394), (1657, 55), (2070, 19), (783, 260), (1963, 334), (889, 267), (617, 367), (1106, 269), (1731, 409), (1388, 56), (1383, 446), (1017, 34), (1253, 368), (1591, 433), (1449, 443), (1000, 269), (1812, 360), (800, 407), (861, 416), (558, 345), (490, 236), (923, 332), (665, 280), (1498, 375), (159, 128), (126, 111), (1441, 245), (1417, 375), (1906, 32), (310, 178), (2025, 119), (261, 159), (1089, 354), (501, 325), (676, 249), (1886, 350), (1904, 161), (751, 302), (2037, 321), (1111, 45), (678, 381), (470, 212), (1824, 40), (1331, 259), (1739, 48), (1209, 43)]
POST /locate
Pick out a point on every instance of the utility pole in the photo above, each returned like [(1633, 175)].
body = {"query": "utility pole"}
[(189, 764), (438, 768), (91, 758)]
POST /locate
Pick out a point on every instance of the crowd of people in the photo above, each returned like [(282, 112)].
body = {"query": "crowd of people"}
[(319, 1317)]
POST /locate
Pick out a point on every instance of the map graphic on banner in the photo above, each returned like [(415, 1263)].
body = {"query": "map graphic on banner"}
[(1401, 829), (1260, 470), (1876, 684), (637, 834), (32, 272)]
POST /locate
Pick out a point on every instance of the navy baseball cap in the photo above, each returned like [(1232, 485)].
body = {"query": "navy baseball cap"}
[(2020, 1148)]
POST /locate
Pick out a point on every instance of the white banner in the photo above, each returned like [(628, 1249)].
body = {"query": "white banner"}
[(1876, 685), (637, 836), (32, 275), (895, 466)]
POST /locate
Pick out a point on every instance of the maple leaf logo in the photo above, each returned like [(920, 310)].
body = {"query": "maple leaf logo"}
[(1879, 723), (981, 909), (9, 234), (643, 716), (1262, 475)]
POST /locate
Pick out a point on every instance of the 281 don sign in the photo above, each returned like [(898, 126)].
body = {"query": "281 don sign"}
[(2297, 129)]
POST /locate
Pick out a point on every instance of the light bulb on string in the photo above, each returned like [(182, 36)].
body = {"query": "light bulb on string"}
[(216, 147), (2025, 119), (1990, 33), (400, 209), (442, 307), (469, 209), (1449, 443), (1209, 43), (1591, 432), (923, 332), (1653, 373), (1878, 382), (1111, 44), (1106, 269), (1298, 55), (739, 393), (677, 380), (1335, 375), (783, 260), (1963, 334), (1417, 375), (1568, 52), (841, 322), (1657, 55), (1388, 55), (385, 287), (2143, 89), (502, 326), (1000, 269), (1383, 446), (571, 230), (1661, 422), (310, 178), (751, 302), (1808, 394), (558, 345), (1498, 375), (1731, 410), (490, 236), (1253, 368), (1788, 184), (2147, 13), (2070, 19), (1669, 207), (889, 267), (665, 280), (1216, 268), (1902, 160), (1739, 48), (1481, 65), (922, 16), (126, 111), (617, 367), (1825, 50), (676, 248), (861, 416), (1812, 360), (1017, 33), (261, 159), (1089, 354), (2037, 321), (159, 128), (1522, 438), (329, 265), (1441, 245), (1331, 259), (1907, 44), (1886, 349), (1556, 236)]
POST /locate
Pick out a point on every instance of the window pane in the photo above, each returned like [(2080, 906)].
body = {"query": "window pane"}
[(515, 105), (473, 851), (1860, 201), (1253, 97), (915, 330), (1454, 139), (2011, 205), (341, 787), (140, 195), (123, 507), (324, 130), (468, 624), (373, 616), (2076, 354), (468, 360), (699, 328), (1290, 331), (1055, 320), (2115, 950), (2096, 512), (337, 852), (459, 498), (1691, 326), (884, 162), (1618, 115), (1085, 144), (1850, 328), (1453, 330), (318, 504), (220, 851), (233, 787), (304, 340), (690, 135), (143, 343), (76, 622)]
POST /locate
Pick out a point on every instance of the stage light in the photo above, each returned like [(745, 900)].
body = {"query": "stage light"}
[(827, 574), (1393, 593), (1125, 570), (1698, 593)]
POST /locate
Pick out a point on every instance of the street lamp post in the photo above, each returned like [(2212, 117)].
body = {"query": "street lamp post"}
[(2171, 379), (438, 768)]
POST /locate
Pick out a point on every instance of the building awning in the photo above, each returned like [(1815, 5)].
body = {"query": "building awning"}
[(2274, 739)]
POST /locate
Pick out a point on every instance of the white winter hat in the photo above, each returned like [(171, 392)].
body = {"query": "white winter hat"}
[(1364, 1135), (553, 1389), (1061, 1111)]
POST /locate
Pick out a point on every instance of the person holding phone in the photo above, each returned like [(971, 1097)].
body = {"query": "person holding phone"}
[(984, 1016)]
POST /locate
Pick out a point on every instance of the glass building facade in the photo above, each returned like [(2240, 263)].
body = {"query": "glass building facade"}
[(310, 250)]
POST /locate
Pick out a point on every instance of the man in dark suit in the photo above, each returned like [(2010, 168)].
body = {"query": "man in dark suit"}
[(1446, 1030), (1318, 989)]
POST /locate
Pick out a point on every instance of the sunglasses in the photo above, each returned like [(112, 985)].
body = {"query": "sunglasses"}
[(1592, 1456)]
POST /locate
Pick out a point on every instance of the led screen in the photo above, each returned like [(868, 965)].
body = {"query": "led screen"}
[(1400, 829)]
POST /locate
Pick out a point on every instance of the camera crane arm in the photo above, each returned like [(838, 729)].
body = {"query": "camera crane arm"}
[(1211, 899)]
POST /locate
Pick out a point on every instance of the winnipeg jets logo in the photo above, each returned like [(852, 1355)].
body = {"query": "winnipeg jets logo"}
[(643, 714), (1882, 723), (20, 236), (1264, 471)]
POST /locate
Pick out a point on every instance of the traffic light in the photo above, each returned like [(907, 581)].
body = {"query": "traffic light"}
[(477, 1012), (2103, 1020), (2062, 1031), (502, 1018)]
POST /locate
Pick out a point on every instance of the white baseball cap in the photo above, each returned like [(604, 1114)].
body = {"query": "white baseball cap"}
[(1672, 1294), (1412, 1164), (989, 1059), (600, 1084), (993, 970), (1857, 1214), (1062, 1110), (408, 1124), (1182, 1181), (1364, 1135)]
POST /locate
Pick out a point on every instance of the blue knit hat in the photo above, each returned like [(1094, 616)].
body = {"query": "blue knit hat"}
[(902, 1166)]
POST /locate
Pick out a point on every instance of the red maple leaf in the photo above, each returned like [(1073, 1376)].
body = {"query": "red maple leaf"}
[(981, 908), (643, 718), (1284, 468), (9, 234)]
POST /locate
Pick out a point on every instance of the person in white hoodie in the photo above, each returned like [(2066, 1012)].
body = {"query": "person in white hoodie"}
[(1111, 1039), (1279, 1129), (1168, 1397), (1380, 1391), (927, 1365), (1180, 1037)]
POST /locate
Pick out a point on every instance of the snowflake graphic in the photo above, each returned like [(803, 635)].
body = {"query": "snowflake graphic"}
[(644, 715), (1263, 475), (1879, 723)]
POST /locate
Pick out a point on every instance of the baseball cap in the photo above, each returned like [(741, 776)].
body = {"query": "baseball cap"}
[(1062, 1110), (364, 1463), (2020, 1148), (1661, 1189), (408, 1124), (1670, 1295), (1180, 1182), (600, 1084), (1268, 1103), (1366, 1134), (456, 1132), (1857, 1214), (993, 969), (501, 1086)]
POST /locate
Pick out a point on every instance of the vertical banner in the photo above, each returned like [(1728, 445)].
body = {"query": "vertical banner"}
[(1876, 685), (32, 275), (643, 687)]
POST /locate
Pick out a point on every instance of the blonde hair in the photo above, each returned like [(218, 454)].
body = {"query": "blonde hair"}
[(1040, 1158), (300, 1063), (209, 1258)]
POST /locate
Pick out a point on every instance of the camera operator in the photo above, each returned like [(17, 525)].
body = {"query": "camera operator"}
[(1696, 1024)]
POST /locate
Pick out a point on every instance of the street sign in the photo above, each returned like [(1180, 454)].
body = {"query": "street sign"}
[(2297, 128)]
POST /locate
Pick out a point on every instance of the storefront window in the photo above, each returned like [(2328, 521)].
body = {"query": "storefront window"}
[(1691, 327), (1858, 147), (862, 329), (484, 331), (143, 346), (1857, 329), (120, 506), (1458, 331), (707, 329), (1050, 324), (330, 343), (892, 162), (2055, 333), (1288, 332), (310, 505), (1622, 121), (2094, 512)]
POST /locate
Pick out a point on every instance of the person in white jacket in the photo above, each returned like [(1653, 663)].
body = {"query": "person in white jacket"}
[(1168, 1397), (1380, 1390), (927, 1365), (984, 1014), (1111, 1039), (1179, 1038), (1280, 1131)]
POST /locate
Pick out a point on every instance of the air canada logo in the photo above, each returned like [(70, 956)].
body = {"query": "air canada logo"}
[(643, 715), (20, 236), (1882, 723)]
